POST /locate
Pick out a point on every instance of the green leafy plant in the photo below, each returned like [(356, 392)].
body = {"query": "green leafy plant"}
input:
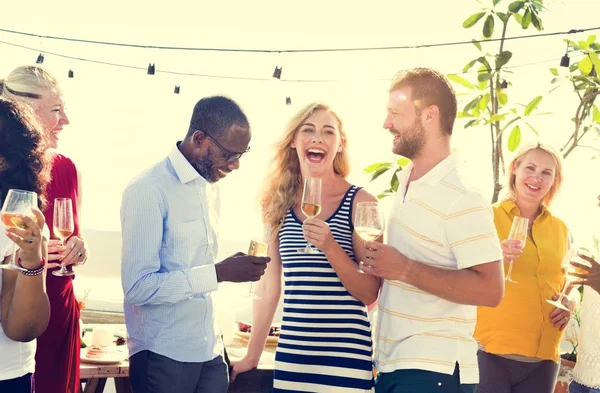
[(583, 75), (489, 103)]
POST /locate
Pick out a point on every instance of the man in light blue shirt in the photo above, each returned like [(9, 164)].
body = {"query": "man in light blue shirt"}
[(169, 222)]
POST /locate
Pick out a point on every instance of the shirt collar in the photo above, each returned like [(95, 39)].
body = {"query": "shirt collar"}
[(436, 174), (511, 208), (184, 170)]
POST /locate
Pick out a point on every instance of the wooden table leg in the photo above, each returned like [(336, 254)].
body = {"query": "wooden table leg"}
[(95, 385), (122, 385)]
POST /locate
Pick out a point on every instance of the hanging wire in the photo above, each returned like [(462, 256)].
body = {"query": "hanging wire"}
[(315, 50)]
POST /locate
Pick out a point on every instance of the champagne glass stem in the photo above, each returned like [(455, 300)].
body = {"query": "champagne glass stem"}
[(13, 263), (510, 265), (563, 292)]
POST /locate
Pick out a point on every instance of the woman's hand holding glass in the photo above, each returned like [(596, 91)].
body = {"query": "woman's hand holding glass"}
[(74, 252), (32, 245), (513, 246), (318, 233)]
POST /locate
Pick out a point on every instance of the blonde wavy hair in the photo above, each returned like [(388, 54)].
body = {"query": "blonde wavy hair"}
[(28, 84), (284, 182), (511, 190)]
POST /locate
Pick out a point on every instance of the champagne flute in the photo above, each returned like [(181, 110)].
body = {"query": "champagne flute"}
[(368, 223), (16, 204), (63, 228), (311, 205), (259, 248), (518, 231), (572, 253)]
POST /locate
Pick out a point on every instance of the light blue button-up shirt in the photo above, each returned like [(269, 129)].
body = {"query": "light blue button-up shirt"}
[(169, 223)]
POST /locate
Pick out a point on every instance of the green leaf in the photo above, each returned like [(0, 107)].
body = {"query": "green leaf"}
[(461, 81), (554, 71), (518, 18), (461, 115), (585, 65), (488, 26), (596, 114), (503, 58), (483, 103), (595, 60), (468, 66), (472, 104), (532, 105), (497, 117), (402, 162), (379, 172), (484, 76), (583, 45), (526, 19), (471, 20), (495, 2), (536, 21), (533, 129), (514, 140), (516, 6), (503, 17), (477, 45), (472, 123), (591, 39), (373, 167), (394, 182), (483, 85), (502, 97), (485, 64)]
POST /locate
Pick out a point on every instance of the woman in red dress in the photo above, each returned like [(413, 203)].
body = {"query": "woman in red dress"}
[(58, 348)]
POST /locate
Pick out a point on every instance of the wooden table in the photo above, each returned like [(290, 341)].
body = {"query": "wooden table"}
[(95, 377), (259, 380)]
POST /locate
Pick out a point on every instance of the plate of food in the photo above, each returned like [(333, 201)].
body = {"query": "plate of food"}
[(96, 354), (245, 329)]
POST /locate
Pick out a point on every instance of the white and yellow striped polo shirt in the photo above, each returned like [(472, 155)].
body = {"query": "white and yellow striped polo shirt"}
[(441, 222)]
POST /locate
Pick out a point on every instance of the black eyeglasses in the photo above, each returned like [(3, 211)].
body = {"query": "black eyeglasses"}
[(231, 155)]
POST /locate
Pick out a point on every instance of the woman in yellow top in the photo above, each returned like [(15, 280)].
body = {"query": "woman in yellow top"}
[(519, 339)]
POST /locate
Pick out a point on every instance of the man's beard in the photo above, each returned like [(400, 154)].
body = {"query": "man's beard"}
[(204, 167), (411, 141)]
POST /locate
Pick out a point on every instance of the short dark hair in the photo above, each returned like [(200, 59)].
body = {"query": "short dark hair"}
[(215, 115), (24, 163), (430, 87)]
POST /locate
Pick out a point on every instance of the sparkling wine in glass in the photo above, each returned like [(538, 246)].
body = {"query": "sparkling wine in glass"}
[(518, 231), (259, 247), (311, 205), (368, 222), (17, 203), (571, 255), (63, 228)]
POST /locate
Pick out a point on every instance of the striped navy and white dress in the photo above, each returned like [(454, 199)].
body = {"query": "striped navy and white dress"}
[(325, 344)]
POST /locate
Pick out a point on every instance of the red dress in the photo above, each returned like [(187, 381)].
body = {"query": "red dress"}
[(58, 348)]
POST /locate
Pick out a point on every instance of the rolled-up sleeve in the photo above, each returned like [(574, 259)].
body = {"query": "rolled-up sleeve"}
[(144, 279)]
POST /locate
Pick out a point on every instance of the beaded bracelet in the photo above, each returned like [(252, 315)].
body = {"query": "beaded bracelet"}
[(32, 272)]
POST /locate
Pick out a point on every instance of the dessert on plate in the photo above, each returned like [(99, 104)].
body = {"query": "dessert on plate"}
[(95, 352)]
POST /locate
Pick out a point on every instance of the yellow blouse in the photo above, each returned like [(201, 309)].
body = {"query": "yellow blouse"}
[(521, 324)]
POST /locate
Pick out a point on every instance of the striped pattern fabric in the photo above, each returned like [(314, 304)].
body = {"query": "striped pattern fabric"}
[(439, 221), (325, 343), (170, 227)]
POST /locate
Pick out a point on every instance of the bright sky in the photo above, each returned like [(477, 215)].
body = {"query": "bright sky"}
[(123, 120)]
